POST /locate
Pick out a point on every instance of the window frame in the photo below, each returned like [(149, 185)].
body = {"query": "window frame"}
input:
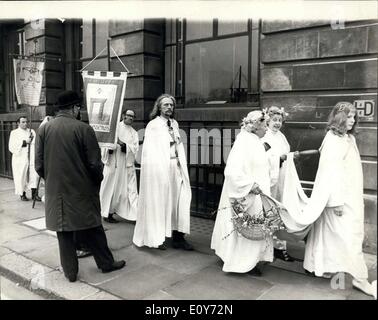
[(253, 87)]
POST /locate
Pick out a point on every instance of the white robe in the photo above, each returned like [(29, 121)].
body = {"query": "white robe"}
[(20, 161), (165, 194), (247, 164), (118, 192), (279, 146), (334, 243)]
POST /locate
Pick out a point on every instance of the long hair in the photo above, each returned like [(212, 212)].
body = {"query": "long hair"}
[(337, 120), (157, 105)]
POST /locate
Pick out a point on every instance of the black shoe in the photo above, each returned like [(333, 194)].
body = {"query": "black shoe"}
[(283, 255), (35, 195), (71, 278), (183, 244), (37, 198), (115, 266), (83, 253), (162, 247), (23, 197), (256, 272), (311, 274), (110, 219)]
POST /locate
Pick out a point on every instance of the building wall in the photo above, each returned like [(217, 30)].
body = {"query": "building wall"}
[(307, 67), (139, 45)]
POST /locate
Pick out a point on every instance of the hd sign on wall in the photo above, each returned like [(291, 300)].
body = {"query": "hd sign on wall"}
[(365, 108)]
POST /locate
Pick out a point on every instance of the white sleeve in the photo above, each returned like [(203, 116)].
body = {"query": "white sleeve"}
[(15, 143)]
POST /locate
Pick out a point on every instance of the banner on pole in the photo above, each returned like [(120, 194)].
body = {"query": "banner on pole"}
[(104, 93), (28, 77)]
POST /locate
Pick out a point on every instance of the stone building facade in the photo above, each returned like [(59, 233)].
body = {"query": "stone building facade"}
[(218, 71)]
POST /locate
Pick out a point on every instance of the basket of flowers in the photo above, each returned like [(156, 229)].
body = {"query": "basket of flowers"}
[(260, 225)]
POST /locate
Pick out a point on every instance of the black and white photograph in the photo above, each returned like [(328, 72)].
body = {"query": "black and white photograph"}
[(188, 154)]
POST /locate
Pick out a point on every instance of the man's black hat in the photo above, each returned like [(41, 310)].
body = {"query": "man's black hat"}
[(67, 98)]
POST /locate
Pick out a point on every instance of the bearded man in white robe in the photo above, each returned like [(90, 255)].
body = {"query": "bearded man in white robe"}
[(165, 194), (21, 145), (118, 193)]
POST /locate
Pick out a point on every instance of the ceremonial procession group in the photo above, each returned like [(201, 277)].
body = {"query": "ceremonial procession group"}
[(84, 184)]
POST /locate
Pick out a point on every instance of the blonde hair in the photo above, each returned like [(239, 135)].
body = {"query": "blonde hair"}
[(337, 120)]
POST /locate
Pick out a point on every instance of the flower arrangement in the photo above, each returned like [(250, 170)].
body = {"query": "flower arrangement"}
[(260, 225)]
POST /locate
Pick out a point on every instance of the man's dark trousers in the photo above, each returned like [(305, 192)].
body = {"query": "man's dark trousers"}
[(93, 238)]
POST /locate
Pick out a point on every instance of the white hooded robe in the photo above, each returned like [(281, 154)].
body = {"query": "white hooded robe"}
[(118, 192), (165, 194)]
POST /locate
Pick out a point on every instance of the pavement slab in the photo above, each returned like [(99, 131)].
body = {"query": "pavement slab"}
[(14, 233), (23, 267), (160, 295), (188, 262), (120, 237), (56, 282), (48, 256), (39, 223), (89, 273), (25, 214), (291, 292), (279, 276), (27, 244), (213, 284), (4, 251), (102, 295), (13, 291), (141, 283), (137, 257), (342, 286)]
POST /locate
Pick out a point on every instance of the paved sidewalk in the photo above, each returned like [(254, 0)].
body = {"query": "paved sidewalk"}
[(29, 258)]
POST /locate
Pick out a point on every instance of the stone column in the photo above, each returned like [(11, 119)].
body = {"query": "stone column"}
[(140, 46)]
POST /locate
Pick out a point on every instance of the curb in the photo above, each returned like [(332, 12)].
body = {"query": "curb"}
[(47, 282)]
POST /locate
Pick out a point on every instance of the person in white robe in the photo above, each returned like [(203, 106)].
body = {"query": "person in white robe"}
[(334, 243), (247, 171), (279, 147), (21, 145), (118, 192), (165, 194)]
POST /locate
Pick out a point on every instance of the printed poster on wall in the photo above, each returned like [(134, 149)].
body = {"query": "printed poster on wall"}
[(104, 93), (28, 76)]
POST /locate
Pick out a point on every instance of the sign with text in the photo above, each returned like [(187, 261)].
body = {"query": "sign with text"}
[(28, 76), (365, 108), (104, 93)]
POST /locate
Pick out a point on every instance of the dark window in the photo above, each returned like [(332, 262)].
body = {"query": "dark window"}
[(216, 70), (95, 36), (211, 62)]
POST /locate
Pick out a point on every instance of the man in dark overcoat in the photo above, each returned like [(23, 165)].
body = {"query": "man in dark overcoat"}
[(68, 157)]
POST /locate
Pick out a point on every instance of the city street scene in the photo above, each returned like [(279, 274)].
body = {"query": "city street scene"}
[(173, 158)]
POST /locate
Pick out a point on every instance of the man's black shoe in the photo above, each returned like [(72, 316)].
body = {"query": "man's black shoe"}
[(162, 247), (71, 278), (37, 198), (110, 219), (182, 245), (35, 195), (255, 272), (83, 253), (283, 255), (23, 197), (115, 266)]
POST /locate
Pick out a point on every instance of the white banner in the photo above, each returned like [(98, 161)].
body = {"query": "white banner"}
[(28, 77), (104, 94)]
